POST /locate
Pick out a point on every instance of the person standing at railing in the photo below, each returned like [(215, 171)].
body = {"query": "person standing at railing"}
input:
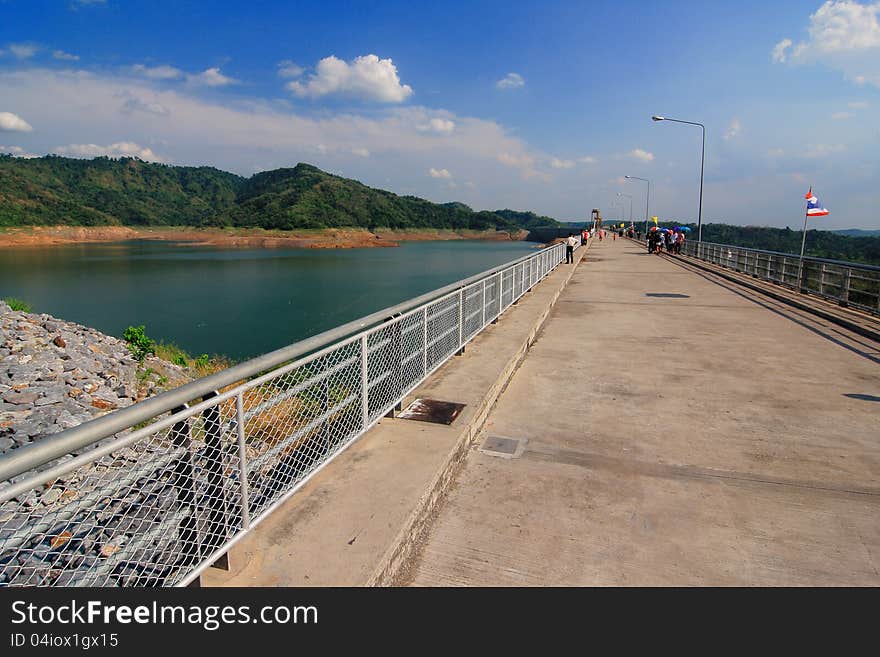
[(570, 243)]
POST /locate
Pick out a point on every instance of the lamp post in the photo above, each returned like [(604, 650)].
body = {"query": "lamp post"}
[(647, 197), (702, 161), (630, 205)]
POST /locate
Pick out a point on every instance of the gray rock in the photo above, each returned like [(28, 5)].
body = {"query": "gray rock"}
[(51, 398), (51, 496), (20, 398)]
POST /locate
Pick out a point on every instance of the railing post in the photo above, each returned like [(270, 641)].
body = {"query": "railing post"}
[(498, 292), (242, 463), (365, 387), (844, 292), (461, 321), (483, 305), (822, 279), (397, 351)]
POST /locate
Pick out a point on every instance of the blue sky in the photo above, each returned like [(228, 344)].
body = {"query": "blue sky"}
[(540, 106)]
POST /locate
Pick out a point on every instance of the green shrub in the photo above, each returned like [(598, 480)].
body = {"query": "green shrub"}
[(17, 304), (138, 343), (202, 361), (179, 359)]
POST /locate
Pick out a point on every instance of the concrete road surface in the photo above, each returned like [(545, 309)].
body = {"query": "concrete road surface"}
[(673, 429)]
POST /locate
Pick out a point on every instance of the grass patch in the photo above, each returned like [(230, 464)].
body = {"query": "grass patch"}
[(202, 365), (18, 305)]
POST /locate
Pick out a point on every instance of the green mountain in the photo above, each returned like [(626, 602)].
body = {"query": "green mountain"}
[(55, 190), (858, 232)]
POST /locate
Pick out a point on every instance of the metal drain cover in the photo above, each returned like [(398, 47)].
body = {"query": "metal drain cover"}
[(432, 410), (667, 295), (506, 448)]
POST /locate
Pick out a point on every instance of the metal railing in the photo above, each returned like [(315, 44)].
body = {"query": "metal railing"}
[(847, 283), (151, 495)]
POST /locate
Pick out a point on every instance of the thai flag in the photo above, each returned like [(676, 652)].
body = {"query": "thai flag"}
[(814, 207)]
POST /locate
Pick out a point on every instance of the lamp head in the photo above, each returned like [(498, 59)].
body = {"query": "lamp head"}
[(657, 118)]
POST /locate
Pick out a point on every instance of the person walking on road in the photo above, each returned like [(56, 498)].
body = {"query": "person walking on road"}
[(570, 243)]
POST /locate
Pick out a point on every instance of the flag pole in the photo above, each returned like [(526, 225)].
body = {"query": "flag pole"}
[(803, 244)]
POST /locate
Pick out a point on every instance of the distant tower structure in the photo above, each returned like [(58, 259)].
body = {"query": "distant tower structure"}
[(596, 218)]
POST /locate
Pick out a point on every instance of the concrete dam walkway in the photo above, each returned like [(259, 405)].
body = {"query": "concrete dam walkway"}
[(634, 420), (671, 428)]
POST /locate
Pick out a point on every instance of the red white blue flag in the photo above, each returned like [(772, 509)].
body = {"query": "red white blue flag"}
[(814, 206)]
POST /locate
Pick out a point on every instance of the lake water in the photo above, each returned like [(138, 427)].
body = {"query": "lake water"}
[(235, 302)]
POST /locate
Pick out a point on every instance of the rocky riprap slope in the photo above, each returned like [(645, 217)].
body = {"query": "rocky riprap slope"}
[(55, 375)]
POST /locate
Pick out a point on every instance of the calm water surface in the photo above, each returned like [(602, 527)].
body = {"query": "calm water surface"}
[(236, 302)]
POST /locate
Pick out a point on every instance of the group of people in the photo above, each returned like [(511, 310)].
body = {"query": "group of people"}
[(670, 240)]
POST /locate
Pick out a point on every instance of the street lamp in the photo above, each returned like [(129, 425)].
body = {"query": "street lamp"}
[(630, 205), (702, 161), (647, 197)]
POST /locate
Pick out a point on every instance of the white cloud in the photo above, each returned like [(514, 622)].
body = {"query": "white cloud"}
[(556, 163), (775, 152), (13, 123), (66, 56), (211, 77), (17, 151), (732, 130), (366, 77), (440, 173), (441, 126), (588, 159), (289, 69), (246, 134), (845, 26), (842, 116), (361, 152), (642, 155), (525, 163), (510, 81), (823, 150), (844, 35), (859, 104), (134, 104), (780, 50), (513, 160), (23, 50), (158, 72), (119, 149)]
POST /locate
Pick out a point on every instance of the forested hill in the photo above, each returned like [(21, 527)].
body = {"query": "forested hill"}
[(55, 190), (820, 243)]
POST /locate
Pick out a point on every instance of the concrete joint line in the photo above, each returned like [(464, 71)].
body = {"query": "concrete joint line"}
[(390, 567)]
